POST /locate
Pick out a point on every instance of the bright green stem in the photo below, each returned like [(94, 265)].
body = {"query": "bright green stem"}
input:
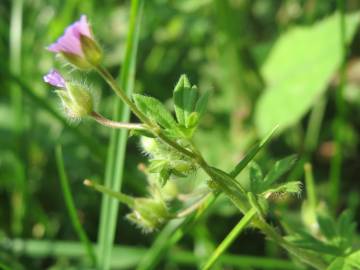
[(310, 186), (70, 206), (116, 151), (230, 238), (336, 162), (129, 201)]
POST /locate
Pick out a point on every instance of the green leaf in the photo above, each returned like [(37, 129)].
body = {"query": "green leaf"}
[(181, 90), (327, 226), (202, 103), (164, 176), (278, 170), (289, 187), (339, 264), (346, 228), (354, 259), (256, 178), (157, 165), (190, 99), (156, 111), (300, 66), (304, 240)]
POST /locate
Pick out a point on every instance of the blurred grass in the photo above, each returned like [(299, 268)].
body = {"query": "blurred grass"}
[(70, 205), (222, 46), (117, 148)]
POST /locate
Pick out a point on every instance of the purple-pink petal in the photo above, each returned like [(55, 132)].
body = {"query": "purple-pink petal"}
[(54, 78), (70, 41)]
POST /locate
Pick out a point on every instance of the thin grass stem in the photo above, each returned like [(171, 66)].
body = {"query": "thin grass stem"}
[(70, 206)]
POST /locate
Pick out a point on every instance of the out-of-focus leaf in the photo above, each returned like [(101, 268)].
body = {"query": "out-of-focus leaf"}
[(256, 177), (327, 226), (304, 240), (354, 259), (279, 169), (298, 69), (339, 264)]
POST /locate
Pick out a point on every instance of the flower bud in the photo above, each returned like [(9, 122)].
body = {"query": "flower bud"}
[(149, 213), (78, 46), (75, 97)]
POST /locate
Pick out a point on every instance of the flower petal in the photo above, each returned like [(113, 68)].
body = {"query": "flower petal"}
[(55, 79)]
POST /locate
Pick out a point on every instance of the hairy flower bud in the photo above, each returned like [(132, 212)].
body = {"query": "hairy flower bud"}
[(149, 213), (75, 97)]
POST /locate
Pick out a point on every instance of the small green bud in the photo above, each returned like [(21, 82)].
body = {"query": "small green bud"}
[(76, 99), (149, 214)]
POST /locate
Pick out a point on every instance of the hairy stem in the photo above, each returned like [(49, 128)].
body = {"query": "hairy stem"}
[(114, 124), (226, 182)]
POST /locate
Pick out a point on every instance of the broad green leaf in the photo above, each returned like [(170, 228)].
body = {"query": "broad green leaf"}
[(339, 264), (278, 170), (156, 111), (300, 66), (354, 259)]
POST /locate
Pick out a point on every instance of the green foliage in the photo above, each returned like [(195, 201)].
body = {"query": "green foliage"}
[(157, 112), (260, 184), (299, 68), (189, 107)]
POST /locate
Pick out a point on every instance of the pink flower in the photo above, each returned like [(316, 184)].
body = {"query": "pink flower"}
[(70, 42), (78, 45), (54, 78)]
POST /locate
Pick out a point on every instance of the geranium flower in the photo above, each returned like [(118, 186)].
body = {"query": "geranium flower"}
[(78, 45)]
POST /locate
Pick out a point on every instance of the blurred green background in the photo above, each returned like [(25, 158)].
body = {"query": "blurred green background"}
[(266, 62)]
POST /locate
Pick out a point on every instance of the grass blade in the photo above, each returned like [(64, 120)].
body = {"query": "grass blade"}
[(126, 257), (70, 206), (116, 151), (224, 245)]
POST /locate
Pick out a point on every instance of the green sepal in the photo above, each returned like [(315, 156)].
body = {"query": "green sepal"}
[(91, 50), (77, 61), (157, 165), (164, 175)]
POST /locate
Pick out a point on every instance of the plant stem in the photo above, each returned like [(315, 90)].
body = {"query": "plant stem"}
[(230, 238), (337, 159), (114, 124), (129, 201), (310, 186), (70, 206), (193, 207)]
